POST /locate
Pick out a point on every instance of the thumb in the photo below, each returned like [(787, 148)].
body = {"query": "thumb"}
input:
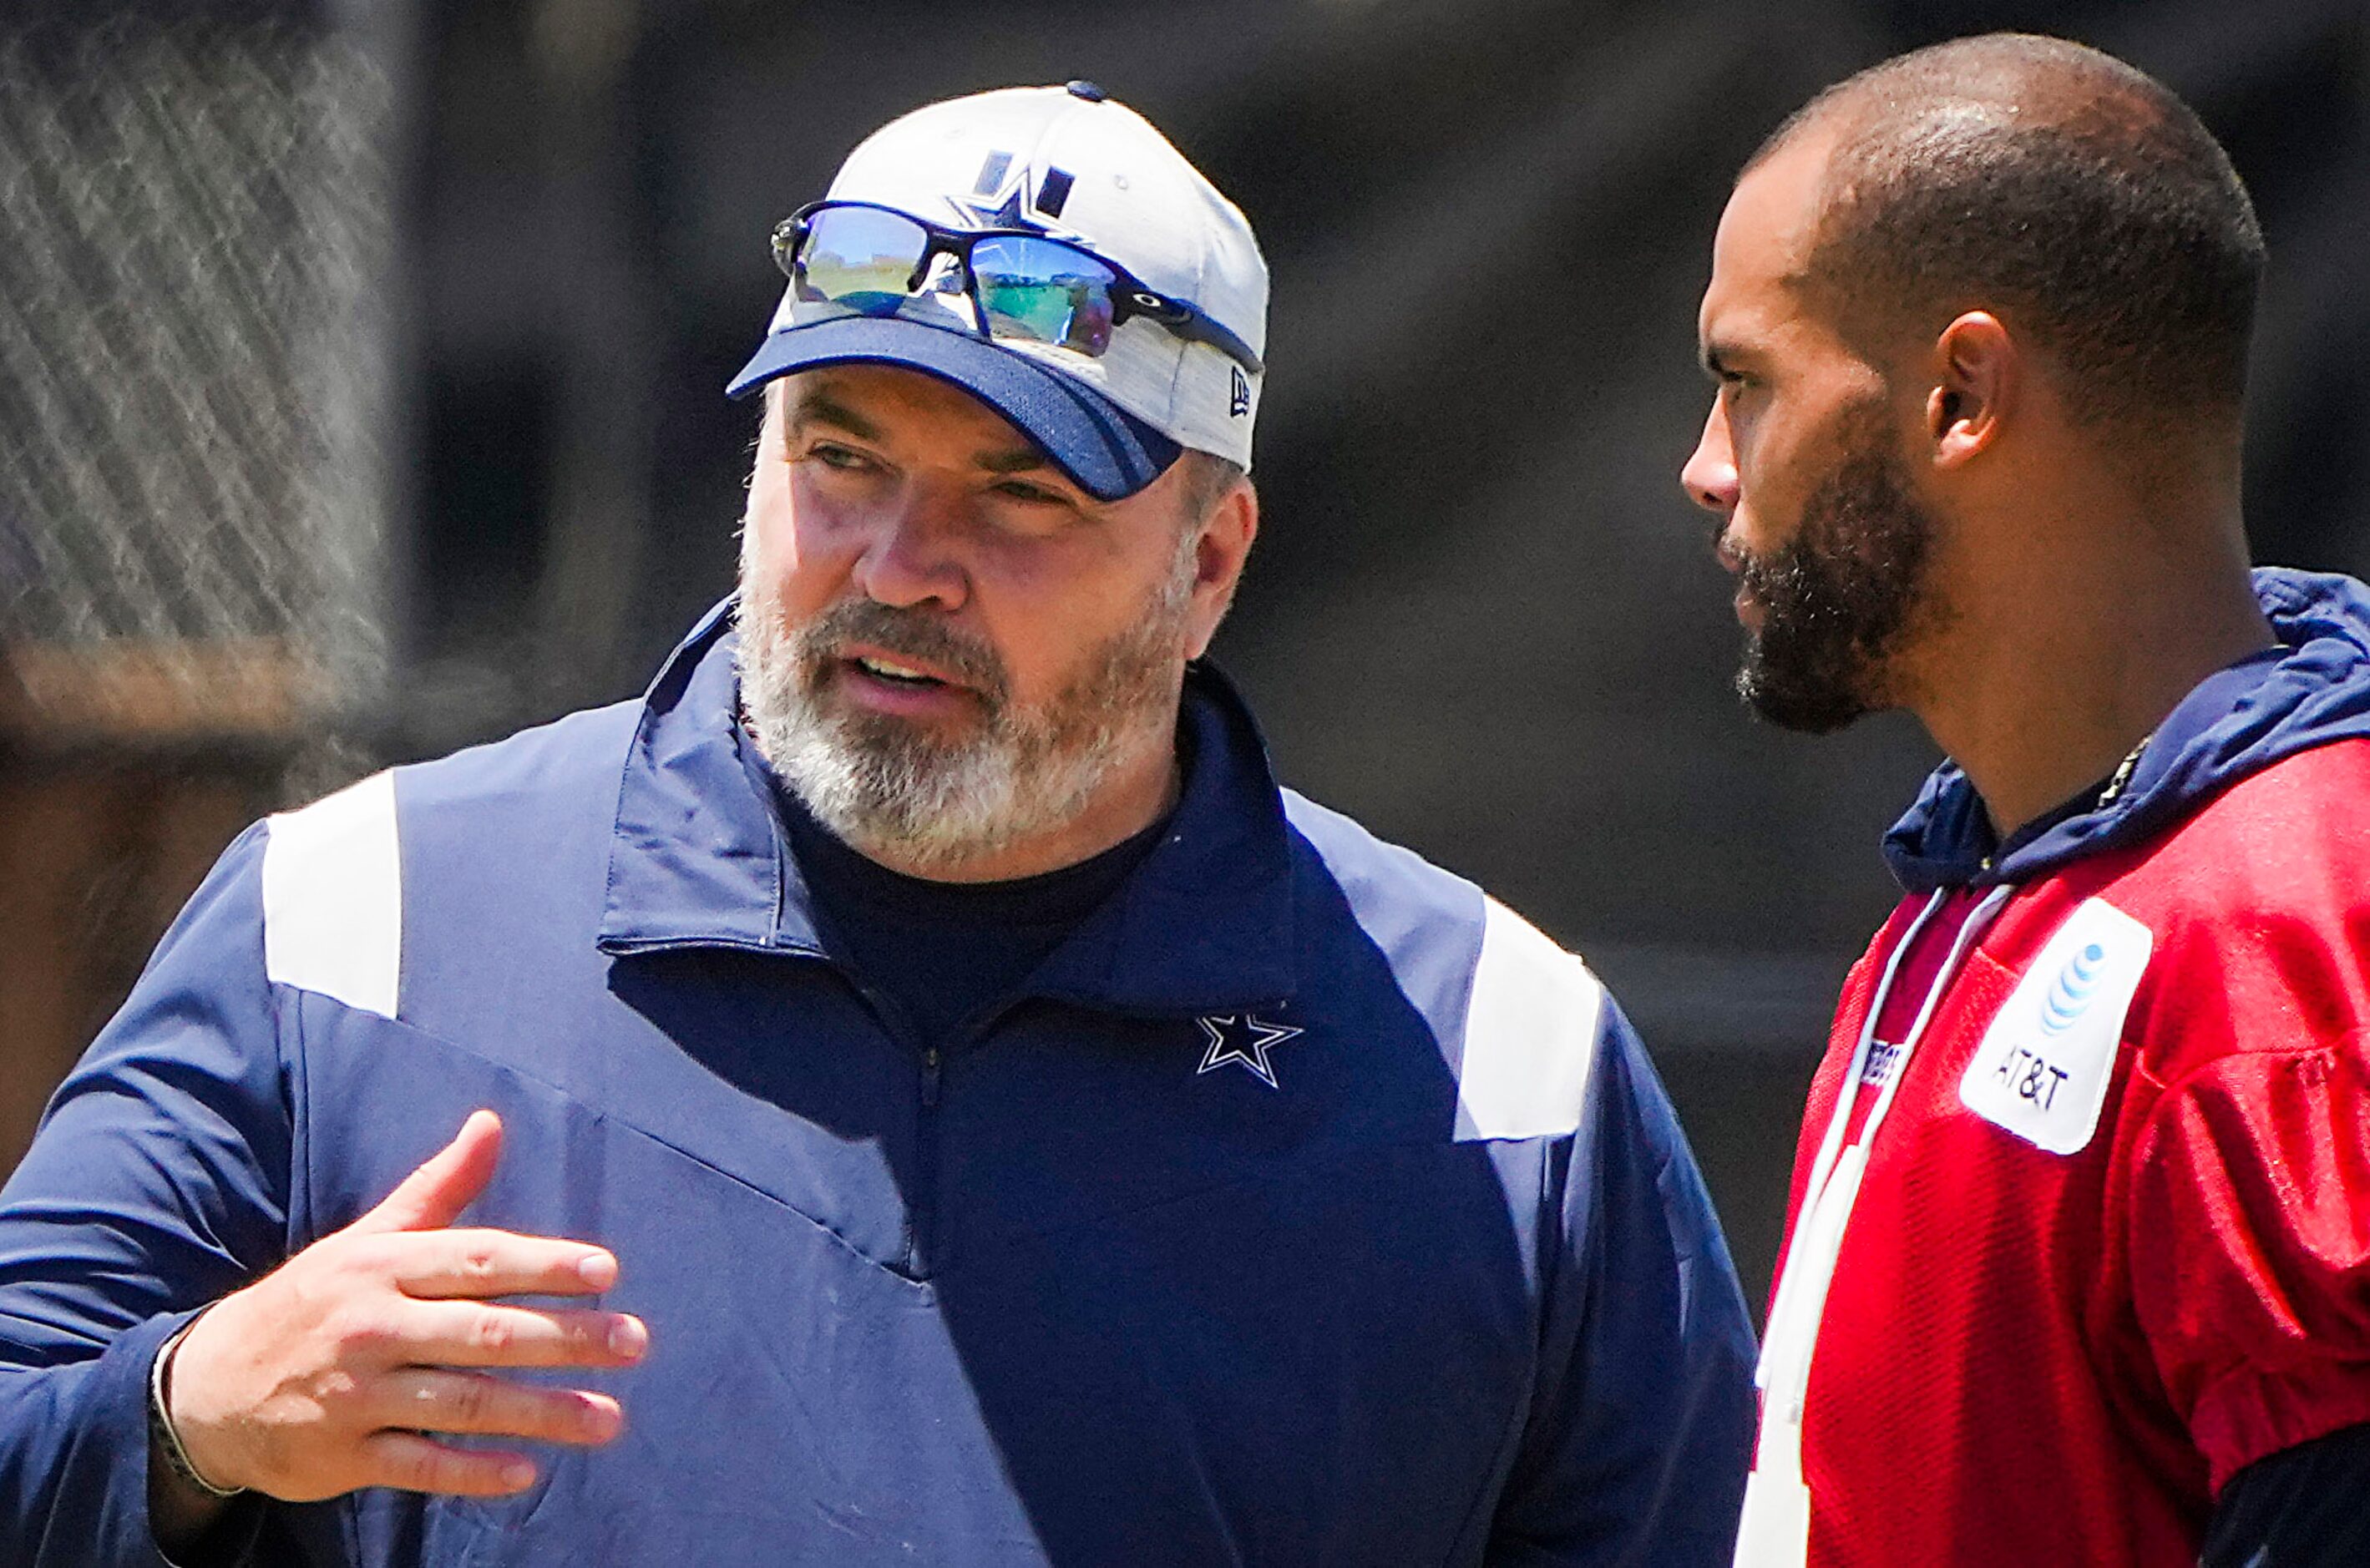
[(432, 1196)]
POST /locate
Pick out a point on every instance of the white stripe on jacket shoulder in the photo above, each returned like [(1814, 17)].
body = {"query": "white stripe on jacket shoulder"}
[(1530, 1034), (333, 897)]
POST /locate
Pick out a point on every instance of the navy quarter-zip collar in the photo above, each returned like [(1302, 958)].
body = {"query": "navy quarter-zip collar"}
[(699, 857)]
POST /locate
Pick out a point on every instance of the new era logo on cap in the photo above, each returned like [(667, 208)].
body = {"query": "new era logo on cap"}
[(1072, 165)]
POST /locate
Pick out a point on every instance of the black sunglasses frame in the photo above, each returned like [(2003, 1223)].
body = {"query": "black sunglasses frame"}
[(1129, 295)]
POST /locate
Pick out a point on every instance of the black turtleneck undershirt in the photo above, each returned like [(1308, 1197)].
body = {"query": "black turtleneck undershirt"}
[(945, 953)]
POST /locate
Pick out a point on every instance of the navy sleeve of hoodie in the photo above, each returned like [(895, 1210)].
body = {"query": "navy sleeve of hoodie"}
[(156, 1185), (2299, 1508), (1640, 1431)]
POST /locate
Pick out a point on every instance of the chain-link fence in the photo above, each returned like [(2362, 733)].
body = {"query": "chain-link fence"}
[(192, 378)]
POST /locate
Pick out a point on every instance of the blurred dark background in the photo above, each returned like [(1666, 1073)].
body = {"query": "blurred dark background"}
[(1480, 617)]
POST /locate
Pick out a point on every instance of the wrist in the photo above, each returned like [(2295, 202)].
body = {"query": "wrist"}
[(164, 1438)]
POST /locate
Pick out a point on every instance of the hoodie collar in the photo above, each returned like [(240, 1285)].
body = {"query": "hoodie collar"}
[(699, 857), (2312, 688)]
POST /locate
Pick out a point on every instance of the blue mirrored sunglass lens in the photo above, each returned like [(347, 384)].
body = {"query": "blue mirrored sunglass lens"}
[(1043, 293), (859, 256)]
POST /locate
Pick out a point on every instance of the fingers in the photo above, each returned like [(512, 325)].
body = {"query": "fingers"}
[(433, 1195), (479, 1334), (415, 1463), (446, 1265), (433, 1399)]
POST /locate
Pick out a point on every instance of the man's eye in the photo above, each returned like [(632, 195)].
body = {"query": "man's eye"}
[(832, 456), (1035, 494)]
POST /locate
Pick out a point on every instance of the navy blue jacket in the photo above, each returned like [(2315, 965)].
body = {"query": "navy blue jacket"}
[(1304, 1207)]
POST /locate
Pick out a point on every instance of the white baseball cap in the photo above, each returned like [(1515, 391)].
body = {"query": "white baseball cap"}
[(1180, 367)]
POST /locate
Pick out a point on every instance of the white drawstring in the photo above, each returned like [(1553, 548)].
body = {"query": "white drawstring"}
[(1774, 1530)]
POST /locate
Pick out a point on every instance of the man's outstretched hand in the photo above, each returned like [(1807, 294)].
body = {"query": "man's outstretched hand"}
[(327, 1374)]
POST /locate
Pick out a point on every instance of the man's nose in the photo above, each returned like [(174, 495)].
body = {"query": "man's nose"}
[(1709, 476), (912, 556)]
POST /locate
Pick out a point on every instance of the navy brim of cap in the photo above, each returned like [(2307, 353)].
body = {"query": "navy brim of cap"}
[(1109, 453)]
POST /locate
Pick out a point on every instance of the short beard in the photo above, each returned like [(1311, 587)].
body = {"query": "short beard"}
[(896, 791), (1841, 599)]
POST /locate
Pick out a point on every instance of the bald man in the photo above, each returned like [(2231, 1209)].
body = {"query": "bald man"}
[(2078, 1270)]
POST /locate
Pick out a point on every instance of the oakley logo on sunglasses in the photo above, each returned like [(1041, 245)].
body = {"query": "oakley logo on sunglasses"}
[(1023, 285)]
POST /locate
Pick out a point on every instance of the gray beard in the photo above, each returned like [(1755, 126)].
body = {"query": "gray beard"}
[(893, 790)]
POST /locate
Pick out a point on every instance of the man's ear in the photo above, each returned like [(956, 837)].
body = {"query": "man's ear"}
[(1219, 554), (1978, 374)]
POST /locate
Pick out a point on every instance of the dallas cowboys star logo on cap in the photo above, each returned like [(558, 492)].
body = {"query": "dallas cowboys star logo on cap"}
[(1000, 198), (1244, 1039), (1007, 214)]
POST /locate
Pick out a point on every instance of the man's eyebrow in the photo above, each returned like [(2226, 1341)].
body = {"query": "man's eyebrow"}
[(821, 408)]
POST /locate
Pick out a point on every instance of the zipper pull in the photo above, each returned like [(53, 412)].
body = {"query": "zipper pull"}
[(930, 1076)]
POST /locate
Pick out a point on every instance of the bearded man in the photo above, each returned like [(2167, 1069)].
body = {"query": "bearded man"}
[(952, 1106), (2079, 1264)]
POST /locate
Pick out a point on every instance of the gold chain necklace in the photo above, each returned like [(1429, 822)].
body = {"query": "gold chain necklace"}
[(2122, 776)]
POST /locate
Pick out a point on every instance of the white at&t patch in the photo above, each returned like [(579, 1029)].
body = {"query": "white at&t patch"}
[(2043, 1067)]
